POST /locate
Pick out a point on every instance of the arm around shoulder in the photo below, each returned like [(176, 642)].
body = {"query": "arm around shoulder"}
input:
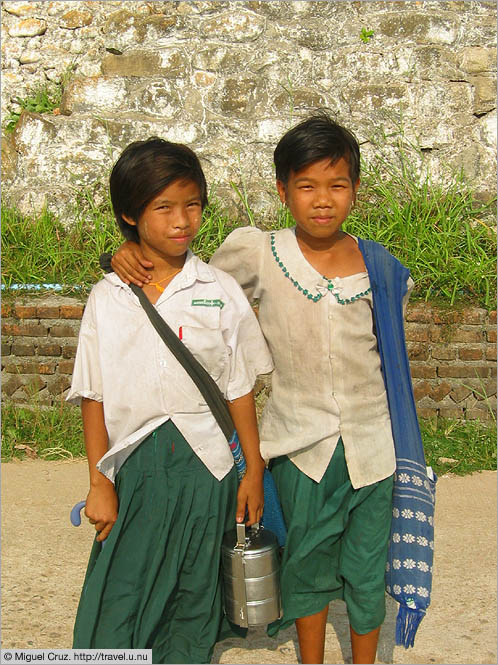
[(241, 255)]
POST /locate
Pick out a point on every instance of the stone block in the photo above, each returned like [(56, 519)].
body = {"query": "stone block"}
[(421, 389), (66, 366), (473, 315), (492, 317), (24, 329), (491, 352), (69, 351), (33, 384), (170, 63), (434, 62), (470, 353), (230, 26), (468, 335), (63, 331), (423, 371), (446, 316), (415, 332), (47, 367), (462, 371), (420, 27), (30, 27), (57, 384), (74, 19), (49, 349), (420, 313), (71, 311), (92, 93), (417, 351), (484, 94), (20, 9), (443, 352), (478, 59), (460, 393), (238, 95), (16, 366), (450, 412), (23, 349), (440, 391), (47, 312), (6, 349), (427, 413), (13, 383), (375, 97), (491, 336), (7, 310), (25, 311)]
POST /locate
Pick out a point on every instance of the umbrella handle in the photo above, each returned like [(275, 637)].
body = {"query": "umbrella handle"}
[(75, 516)]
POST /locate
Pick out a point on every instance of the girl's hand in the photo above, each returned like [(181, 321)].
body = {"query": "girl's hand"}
[(130, 265), (250, 497), (102, 508)]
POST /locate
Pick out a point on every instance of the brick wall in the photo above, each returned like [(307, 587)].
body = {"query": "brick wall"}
[(452, 355)]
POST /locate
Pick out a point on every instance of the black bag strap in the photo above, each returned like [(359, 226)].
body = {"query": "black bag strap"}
[(202, 379)]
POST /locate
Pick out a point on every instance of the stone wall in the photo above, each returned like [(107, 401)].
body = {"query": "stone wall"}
[(452, 355), (229, 78)]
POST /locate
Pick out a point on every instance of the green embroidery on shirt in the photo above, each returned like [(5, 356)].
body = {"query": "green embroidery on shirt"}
[(200, 302)]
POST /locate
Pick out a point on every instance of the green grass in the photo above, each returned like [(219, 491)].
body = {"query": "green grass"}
[(41, 250), (57, 433), (49, 433), (441, 233), (470, 443)]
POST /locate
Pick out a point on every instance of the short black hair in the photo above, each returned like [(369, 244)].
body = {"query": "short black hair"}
[(315, 138), (143, 170)]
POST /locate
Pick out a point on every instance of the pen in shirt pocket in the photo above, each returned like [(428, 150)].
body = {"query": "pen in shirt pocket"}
[(180, 332)]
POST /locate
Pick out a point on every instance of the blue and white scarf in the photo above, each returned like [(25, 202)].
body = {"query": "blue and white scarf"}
[(411, 544)]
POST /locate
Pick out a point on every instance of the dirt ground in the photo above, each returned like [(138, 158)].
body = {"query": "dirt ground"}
[(44, 560)]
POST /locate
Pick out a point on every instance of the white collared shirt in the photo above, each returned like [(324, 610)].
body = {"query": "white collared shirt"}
[(123, 362), (327, 380)]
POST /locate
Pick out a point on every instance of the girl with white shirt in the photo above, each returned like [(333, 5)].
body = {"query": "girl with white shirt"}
[(327, 426), (163, 486)]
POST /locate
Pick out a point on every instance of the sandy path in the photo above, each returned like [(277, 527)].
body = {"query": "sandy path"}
[(44, 560)]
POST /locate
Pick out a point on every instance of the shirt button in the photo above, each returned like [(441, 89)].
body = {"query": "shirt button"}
[(163, 363), (330, 317)]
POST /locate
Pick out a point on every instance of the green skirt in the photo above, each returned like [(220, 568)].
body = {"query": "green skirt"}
[(156, 582), (336, 547)]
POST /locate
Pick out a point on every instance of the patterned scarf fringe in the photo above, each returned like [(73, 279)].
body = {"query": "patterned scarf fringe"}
[(407, 623)]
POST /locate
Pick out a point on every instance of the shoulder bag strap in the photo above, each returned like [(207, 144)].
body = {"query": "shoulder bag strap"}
[(204, 382)]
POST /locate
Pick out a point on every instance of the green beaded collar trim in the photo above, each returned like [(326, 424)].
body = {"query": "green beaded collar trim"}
[(305, 292)]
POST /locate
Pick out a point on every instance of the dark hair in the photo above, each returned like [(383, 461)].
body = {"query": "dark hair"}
[(143, 170), (316, 138)]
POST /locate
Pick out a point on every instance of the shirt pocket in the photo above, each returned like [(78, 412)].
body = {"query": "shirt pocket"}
[(208, 347)]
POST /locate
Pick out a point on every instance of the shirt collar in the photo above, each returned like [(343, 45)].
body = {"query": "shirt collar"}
[(193, 270)]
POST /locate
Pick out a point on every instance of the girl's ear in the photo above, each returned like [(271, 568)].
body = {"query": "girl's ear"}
[(129, 220), (281, 191)]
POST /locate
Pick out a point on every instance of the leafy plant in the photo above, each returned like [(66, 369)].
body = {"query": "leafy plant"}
[(43, 98), (366, 35)]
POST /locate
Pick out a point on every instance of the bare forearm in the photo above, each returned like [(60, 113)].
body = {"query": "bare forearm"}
[(250, 498), (96, 438), (243, 412), (102, 501)]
